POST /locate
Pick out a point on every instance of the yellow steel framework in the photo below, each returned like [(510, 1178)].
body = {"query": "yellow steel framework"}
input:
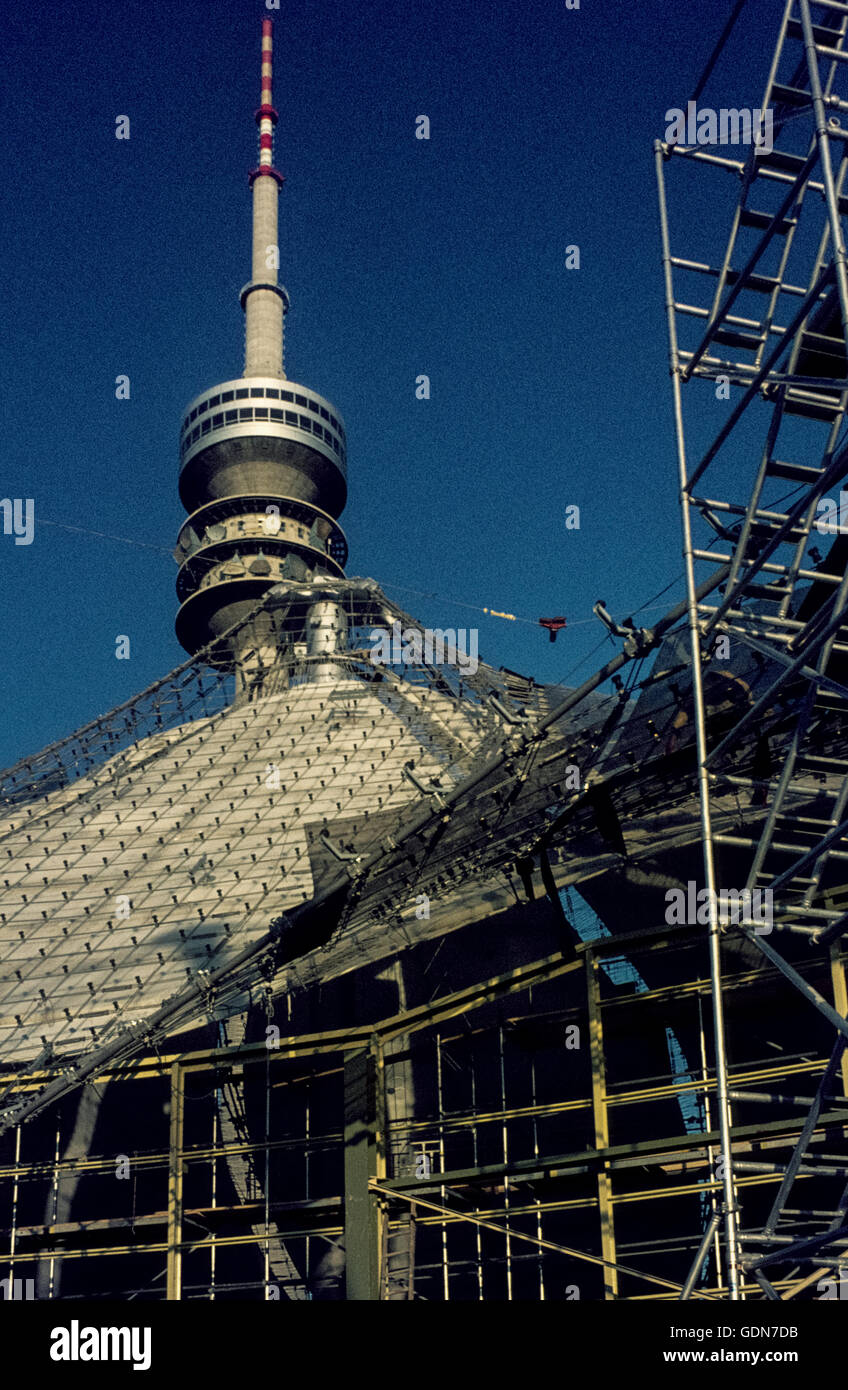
[(522, 1203)]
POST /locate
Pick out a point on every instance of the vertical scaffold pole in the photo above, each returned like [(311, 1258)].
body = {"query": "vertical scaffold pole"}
[(601, 1119), (722, 1097), (175, 1186)]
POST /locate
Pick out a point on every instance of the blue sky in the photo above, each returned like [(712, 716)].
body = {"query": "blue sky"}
[(402, 256)]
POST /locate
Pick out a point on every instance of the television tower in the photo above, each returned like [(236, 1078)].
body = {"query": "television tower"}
[(263, 470)]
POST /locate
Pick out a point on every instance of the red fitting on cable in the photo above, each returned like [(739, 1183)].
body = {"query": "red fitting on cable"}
[(554, 625)]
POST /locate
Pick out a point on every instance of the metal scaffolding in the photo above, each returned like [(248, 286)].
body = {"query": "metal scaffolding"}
[(778, 298)]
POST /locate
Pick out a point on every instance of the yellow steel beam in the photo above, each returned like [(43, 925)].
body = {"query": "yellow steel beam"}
[(175, 1186), (599, 1109)]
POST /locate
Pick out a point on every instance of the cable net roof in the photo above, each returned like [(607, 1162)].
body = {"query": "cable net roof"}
[(146, 855)]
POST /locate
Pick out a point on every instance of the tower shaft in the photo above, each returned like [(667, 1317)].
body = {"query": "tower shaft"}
[(264, 301), (264, 307)]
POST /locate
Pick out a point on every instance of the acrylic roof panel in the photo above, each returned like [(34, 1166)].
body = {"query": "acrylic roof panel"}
[(175, 855)]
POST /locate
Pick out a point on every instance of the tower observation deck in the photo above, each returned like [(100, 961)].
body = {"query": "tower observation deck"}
[(263, 465)]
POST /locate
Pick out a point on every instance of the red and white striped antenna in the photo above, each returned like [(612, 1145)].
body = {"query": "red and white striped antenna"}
[(264, 300)]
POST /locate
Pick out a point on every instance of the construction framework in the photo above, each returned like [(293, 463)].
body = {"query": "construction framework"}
[(779, 299), (481, 1229)]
